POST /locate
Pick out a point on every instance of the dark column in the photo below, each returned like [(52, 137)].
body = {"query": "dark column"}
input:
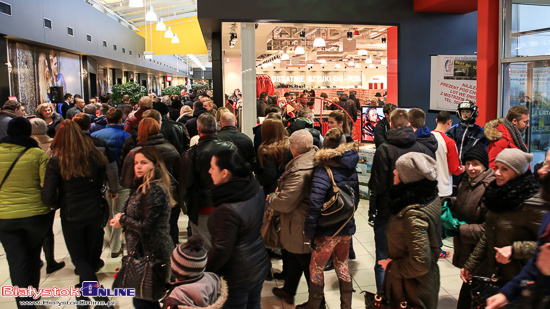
[(4, 73), (85, 79), (217, 62)]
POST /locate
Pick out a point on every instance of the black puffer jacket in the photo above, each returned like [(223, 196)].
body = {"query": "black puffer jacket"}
[(300, 124), (398, 142), (80, 198), (238, 252), (176, 133), (168, 153), (195, 183), (380, 130), (146, 221)]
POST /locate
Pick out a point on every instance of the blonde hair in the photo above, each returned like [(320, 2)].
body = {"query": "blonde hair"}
[(40, 109), (151, 154)]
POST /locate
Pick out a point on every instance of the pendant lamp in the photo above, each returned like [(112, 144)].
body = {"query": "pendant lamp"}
[(277, 60), (151, 15), (285, 57), (369, 60), (135, 4), (175, 39), (299, 50), (168, 34), (362, 52), (160, 25)]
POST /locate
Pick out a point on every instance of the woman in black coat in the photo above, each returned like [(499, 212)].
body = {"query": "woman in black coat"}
[(238, 252), (145, 217)]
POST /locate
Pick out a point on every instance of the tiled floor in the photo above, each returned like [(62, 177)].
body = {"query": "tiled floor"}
[(361, 270)]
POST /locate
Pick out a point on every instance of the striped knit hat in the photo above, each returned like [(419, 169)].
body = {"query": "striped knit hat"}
[(189, 259)]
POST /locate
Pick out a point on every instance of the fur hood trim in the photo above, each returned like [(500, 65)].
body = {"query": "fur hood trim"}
[(219, 302), (327, 154), (491, 129)]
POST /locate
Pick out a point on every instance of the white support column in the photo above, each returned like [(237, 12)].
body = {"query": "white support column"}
[(248, 67)]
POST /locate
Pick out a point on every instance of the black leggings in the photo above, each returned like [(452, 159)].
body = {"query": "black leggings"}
[(80, 238)]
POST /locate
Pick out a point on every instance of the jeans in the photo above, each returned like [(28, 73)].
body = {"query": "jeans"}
[(116, 206), (22, 240), (248, 297), (80, 238), (381, 245), (297, 264), (145, 304)]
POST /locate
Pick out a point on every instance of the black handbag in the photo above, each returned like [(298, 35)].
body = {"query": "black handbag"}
[(341, 205), (146, 275), (481, 288)]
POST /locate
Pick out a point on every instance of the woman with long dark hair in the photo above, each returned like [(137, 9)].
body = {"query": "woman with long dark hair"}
[(238, 252), (145, 218), (339, 120), (75, 176)]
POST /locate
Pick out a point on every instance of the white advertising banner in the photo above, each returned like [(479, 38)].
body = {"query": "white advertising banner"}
[(453, 80)]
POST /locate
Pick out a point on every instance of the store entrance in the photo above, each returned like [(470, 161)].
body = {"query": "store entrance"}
[(317, 60)]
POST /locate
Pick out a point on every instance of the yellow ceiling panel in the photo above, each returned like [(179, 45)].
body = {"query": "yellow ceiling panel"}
[(188, 31)]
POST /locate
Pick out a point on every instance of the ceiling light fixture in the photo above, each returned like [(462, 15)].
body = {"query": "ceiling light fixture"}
[(277, 60), (369, 60), (337, 66), (285, 57), (175, 39), (299, 50), (168, 34), (151, 15), (147, 55), (160, 25), (319, 41), (197, 62), (135, 4), (351, 63), (362, 52)]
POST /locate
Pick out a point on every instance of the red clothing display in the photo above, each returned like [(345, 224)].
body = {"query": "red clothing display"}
[(264, 83)]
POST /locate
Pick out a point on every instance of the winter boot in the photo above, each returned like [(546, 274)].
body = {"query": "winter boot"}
[(315, 299), (351, 255), (51, 264), (346, 292)]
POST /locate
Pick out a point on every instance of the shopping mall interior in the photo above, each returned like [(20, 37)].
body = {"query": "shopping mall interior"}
[(430, 54)]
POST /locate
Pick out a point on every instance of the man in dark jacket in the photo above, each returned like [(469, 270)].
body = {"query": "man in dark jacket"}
[(191, 124), (101, 121), (417, 121), (229, 133), (174, 132), (399, 140), (349, 106), (261, 105), (305, 121), (383, 125), (195, 181)]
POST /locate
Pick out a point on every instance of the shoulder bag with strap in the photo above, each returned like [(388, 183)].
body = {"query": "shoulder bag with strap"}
[(12, 165), (340, 207)]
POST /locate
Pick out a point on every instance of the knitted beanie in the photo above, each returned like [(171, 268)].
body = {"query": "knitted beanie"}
[(161, 108), (479, 153), (516, 159), (19, 126), (301, 141), (189, 259), (415, 166), (39, 126)]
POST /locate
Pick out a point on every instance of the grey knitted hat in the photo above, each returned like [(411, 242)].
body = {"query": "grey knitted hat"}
[(516, 159), (415, 166), (301, 141), (39, 126), (189, 259)]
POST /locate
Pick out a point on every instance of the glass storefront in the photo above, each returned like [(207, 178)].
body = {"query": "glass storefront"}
[(525, 68)]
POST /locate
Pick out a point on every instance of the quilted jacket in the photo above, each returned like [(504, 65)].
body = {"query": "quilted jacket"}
[(413, 246), (292, 201), (146, 222), (517, 227), (468, 206), (342, 162), (20, 194), (115, 136)]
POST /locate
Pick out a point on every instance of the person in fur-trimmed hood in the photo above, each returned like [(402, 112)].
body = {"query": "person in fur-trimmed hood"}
[(507, 132), (194, 288), (334, 240), (412, 273)]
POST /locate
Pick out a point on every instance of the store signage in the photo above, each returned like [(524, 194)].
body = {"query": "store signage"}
[(168, 78), (453, 80), (317, 78)]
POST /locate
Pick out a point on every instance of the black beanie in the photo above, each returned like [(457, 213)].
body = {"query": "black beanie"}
[(479, 153), (161, 108), (19, 126)]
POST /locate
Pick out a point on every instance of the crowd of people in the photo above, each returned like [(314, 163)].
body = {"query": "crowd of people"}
[(130, 171)]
